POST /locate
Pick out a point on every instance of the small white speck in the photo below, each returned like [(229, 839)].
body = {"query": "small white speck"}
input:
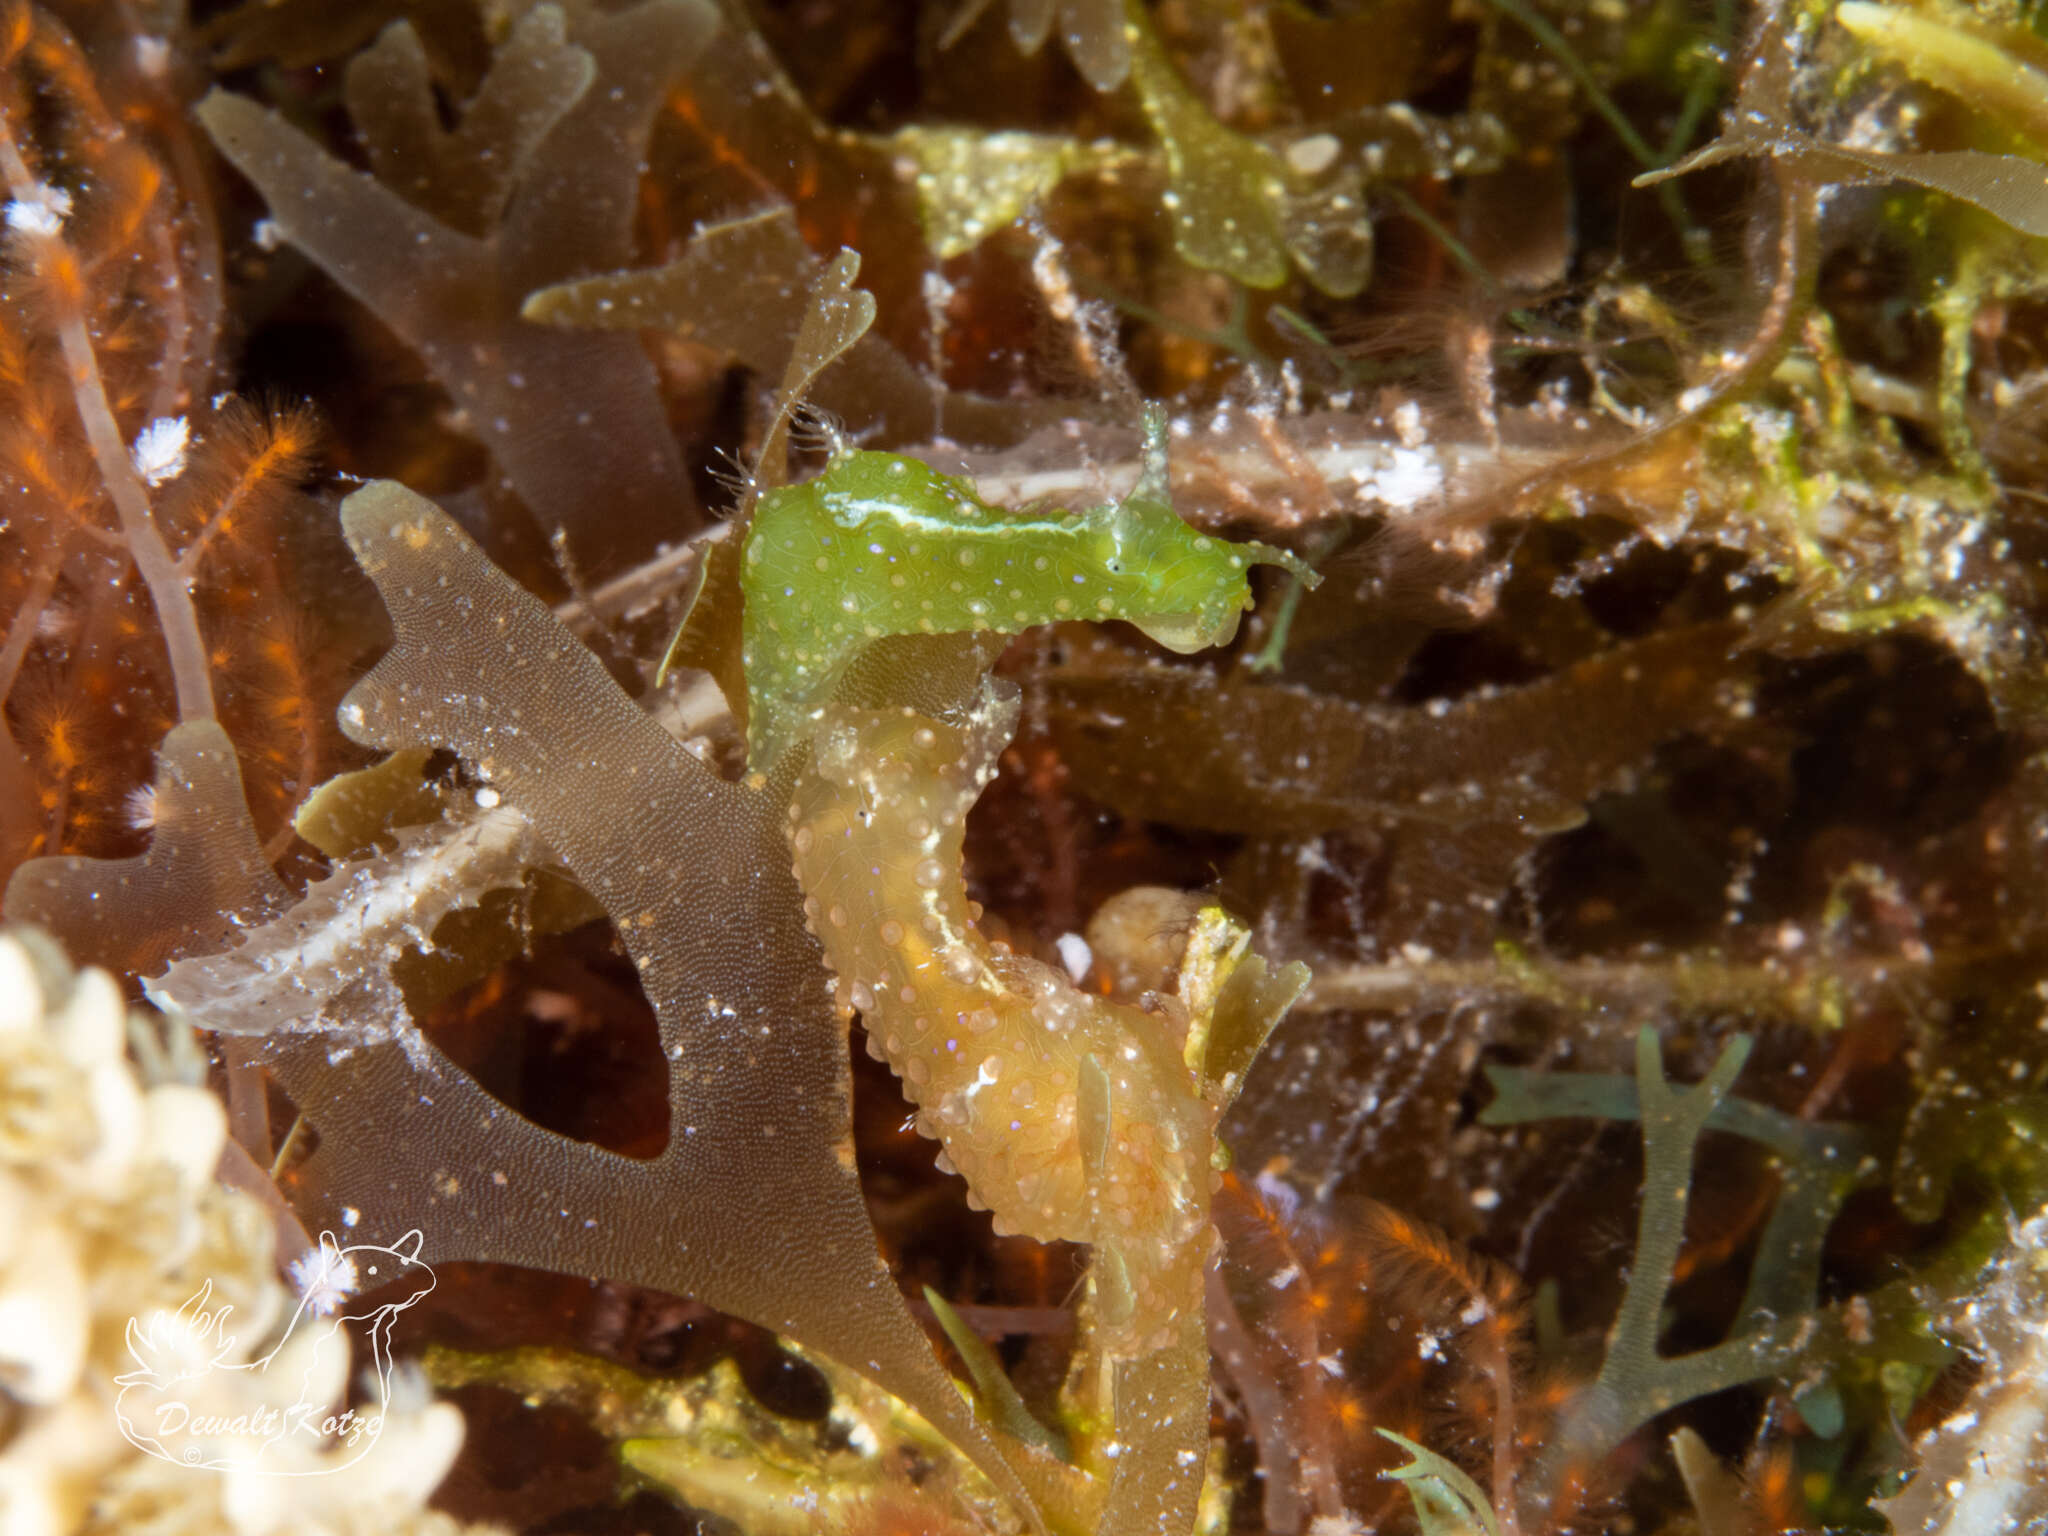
[(487, 798), (1408, 424), (1282, 1196), (139, 808), (324, 1277), (159, 451), (1411, 476), (1313, 155), (41, 211), (1075, 955)]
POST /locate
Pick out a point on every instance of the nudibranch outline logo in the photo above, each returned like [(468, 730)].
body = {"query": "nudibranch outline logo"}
[(189, 1403)]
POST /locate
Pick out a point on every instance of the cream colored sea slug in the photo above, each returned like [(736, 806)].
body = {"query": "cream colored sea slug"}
[(1071, 1116)]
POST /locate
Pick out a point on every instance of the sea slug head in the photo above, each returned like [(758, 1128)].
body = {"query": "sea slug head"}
[(1184, 588), (1191, 588)]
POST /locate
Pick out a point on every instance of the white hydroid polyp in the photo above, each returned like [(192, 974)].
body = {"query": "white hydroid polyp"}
[(159, 451), (40, 211)]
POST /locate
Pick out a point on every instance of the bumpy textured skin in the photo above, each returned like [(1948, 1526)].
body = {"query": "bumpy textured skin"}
[(991, 1046), (884, 545)]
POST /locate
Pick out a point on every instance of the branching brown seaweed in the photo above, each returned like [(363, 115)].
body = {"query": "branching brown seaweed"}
[(447, 256), (693, 876)]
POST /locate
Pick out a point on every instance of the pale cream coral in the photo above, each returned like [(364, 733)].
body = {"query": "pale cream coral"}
[(109, 1213), (1984, 1470)]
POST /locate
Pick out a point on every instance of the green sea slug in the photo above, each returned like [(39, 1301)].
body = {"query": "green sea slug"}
[(880, 544)]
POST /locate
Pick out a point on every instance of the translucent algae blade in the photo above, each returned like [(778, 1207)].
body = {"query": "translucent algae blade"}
[(464, 177), (554, 140), (202, 877), (1162, 1419), (754, 1206), (1225, 187), (743, 285), (837, 316)]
